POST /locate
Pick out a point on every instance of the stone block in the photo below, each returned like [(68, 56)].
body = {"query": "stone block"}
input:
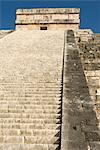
[(13, 139), (98, 92), (72, 145), (11, 146), (94, 145), (1, 139)]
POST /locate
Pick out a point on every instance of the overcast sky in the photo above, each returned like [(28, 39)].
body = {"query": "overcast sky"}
[(90, 11)]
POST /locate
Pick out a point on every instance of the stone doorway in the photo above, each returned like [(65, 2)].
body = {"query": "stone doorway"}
[(43, 28)]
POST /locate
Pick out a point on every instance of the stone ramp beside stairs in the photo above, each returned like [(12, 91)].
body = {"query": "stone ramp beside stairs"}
[(80, 122)]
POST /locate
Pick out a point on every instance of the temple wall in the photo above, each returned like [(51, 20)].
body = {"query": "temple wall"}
[(47, 16), (53, 19), (49, 26)]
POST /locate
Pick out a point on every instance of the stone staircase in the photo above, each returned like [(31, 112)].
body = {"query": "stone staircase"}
[(30, 90), (50, 91)]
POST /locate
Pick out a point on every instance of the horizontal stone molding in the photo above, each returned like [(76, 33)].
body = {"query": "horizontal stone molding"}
[(57, 21), (48, 11)]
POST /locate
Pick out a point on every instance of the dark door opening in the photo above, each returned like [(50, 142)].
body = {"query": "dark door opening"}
[(43, 28)]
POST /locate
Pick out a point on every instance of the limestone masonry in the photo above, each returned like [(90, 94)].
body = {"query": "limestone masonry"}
[(49, 83), (48, 19)]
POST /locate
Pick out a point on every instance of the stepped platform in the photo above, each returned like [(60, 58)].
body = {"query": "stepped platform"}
[(50, 90)]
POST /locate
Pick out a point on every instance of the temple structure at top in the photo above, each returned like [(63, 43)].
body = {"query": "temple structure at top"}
[(48, 19)]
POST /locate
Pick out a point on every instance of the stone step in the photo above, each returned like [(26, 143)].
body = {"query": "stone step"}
[(31, 111), (29, 121), (28, 115), (30, 107), (29, 132), (30, 103), (28, 146), (37, 98), (41, 83), (25, 94), (43, 140), (10, 83), (23, 97), (29, 126), (32, 85), (33, 95), (30, 89), (30, 139)]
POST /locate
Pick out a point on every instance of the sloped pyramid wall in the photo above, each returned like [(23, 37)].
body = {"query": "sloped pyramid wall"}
[(49, 90)]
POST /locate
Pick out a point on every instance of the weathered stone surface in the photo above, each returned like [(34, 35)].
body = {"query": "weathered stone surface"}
[(48, 10), (4, 33), (30, 90), (49, 18), (90, 57), (79, 119), (31, 96)]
